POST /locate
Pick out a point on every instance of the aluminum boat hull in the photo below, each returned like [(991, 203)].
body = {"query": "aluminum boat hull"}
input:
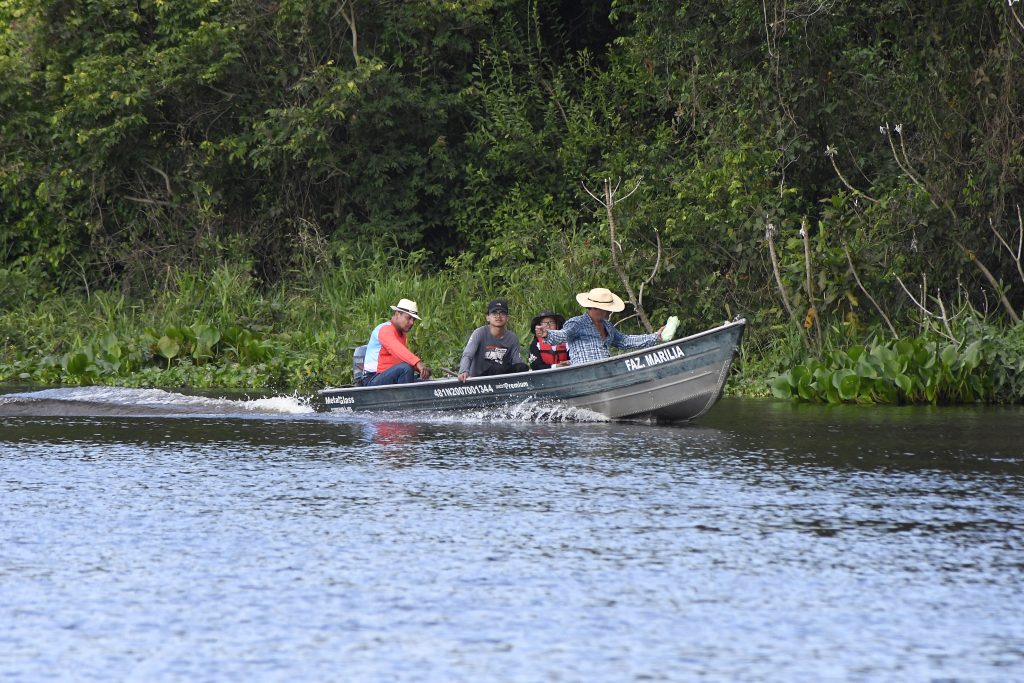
[(675, 381)]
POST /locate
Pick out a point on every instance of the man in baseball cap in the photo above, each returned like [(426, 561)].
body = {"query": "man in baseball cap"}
[(492, 349)]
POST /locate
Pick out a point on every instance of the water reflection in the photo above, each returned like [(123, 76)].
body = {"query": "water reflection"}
[(877, 438), (766, 542), (392, 433)]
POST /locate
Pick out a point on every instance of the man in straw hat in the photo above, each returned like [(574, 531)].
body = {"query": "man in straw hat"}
[(388, 358), (591, 335)]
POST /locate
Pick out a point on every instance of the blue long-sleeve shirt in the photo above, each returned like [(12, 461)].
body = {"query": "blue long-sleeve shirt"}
[(585, 342)]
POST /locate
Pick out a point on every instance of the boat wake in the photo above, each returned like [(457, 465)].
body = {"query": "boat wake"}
[(122, 401), (119, 401), (539, 411)]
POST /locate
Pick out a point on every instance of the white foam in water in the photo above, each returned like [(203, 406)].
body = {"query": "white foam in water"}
[(159, 397), (108, 395), (532, 411), (553, 412), (281, 404)]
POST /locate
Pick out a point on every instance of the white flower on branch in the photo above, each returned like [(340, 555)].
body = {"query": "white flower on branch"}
[(898, 128), (884, 130), (830, 151)]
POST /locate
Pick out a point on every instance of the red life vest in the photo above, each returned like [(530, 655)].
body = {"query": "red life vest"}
[(552, 355)]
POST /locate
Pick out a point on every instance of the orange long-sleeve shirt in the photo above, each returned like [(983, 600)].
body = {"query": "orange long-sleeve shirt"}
[(393, 348)]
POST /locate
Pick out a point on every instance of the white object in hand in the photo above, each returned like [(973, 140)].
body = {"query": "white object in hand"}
[(669, 330)]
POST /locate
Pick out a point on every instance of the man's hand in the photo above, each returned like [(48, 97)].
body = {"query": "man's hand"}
[(463, 376), (422, 370)]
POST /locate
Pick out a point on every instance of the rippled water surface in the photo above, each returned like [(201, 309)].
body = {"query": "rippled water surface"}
[(147, 536)]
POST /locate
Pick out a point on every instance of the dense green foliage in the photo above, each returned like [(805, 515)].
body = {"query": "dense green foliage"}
[(143, 140), (926, 369), (220, 330)]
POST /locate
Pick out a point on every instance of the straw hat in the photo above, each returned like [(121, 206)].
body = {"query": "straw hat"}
[(602, 298), (407, 306)]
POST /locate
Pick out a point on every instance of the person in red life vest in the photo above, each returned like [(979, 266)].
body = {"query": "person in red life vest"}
[(542, 354), (388, 358), (492, 349)]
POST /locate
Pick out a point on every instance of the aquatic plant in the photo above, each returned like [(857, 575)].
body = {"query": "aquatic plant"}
[(299, 335), (925, 369)]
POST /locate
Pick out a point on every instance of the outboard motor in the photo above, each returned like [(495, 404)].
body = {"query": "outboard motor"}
[(358, 371)]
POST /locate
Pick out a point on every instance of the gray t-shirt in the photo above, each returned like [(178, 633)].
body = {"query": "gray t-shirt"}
[(484, 351)]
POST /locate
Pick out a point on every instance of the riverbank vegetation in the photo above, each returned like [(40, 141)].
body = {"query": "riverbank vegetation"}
[(228, 193)]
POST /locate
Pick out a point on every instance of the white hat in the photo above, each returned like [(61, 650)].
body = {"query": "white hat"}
[(599, 297), (408, 306)]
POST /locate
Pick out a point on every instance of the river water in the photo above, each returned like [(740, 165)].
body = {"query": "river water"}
[(153, 536)]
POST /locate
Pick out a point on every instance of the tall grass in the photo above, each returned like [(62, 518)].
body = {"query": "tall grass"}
[(222, 328), (353, 298), (299, 333)]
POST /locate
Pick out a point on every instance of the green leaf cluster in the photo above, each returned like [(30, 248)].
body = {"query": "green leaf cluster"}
[(199, 355), (916, 370)]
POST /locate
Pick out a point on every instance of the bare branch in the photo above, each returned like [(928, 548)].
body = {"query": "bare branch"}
[(921, 306), (769, 235), (167, 181), (146, 200), (806, 234), (350, 19), (556, 100), (904, 165), (595, 197), (608, 202), (895, 155), (225, 93), (917, 303), (767, 32), (868, 295), (991, 280), (657, 258), (630, 193), (945, 320), (1020, 241), (831, 152), (654, 270), (1016, 16)]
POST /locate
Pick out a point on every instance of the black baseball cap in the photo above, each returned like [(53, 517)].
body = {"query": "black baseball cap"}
[(497, 305)]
